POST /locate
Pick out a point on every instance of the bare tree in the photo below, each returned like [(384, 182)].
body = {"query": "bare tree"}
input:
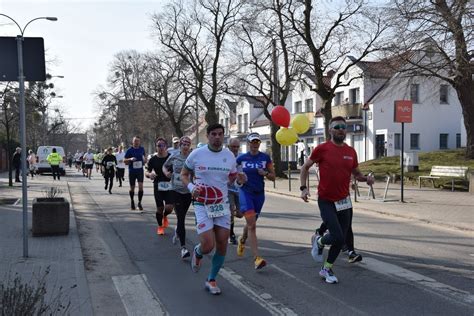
[(196, 34), (168, 86), (8, 119), (267, 52), (440, 36), (331, 33)]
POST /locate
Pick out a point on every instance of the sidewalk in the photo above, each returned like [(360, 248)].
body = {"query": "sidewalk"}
[(62, 255), (432, 206)]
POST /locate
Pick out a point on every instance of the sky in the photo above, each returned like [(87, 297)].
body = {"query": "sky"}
[(82, 43)]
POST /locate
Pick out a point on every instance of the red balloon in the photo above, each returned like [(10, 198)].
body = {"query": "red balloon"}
[(281, 116)]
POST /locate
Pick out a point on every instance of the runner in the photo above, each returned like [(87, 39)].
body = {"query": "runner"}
[(108, 163), (120, 155), (181, 196), (234, 146), (336, 161), (256, 165), (175, 149), (161, 185), (135, 158), (213, 168), (88, 162), (78, 159)]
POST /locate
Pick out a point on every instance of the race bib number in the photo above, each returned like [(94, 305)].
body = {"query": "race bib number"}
[(343, 204), (110, 164), (177, 180), (137, 164), (217, 210), (164, 186)]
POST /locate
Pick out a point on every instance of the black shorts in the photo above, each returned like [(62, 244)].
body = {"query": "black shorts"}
[(162, 196), (135, 176), (89, 166)]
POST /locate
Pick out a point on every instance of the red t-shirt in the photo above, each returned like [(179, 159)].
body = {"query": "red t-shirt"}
[(335, 169)]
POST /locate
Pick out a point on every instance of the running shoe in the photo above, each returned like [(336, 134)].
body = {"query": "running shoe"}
[(259, 263), (195, 261), (212, 287), (166, 223), (240, 247), (160, 230), (140, 207), (132, 206), (354, 257), (184, 253), (233, 240), (316, 250), (328, 275), (175, 238)]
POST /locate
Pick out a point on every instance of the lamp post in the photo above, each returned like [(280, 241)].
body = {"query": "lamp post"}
[(21, 81)]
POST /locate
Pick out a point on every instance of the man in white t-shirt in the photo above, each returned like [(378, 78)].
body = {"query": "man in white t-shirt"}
[(213, 168), (120, 156), (89, 162)]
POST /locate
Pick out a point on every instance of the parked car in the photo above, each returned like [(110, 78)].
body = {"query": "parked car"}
[(42, 165)]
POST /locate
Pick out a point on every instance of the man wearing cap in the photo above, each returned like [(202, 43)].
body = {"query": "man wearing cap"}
[(256, 166), (175, 149)]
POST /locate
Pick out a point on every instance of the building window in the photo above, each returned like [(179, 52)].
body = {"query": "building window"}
[(309, 105), (414, 141), (398, 141), (239, 123), (246, 122), (443, 94), (458, 140), (415, 93), (338, 98), (354, 95), (298, 107), (443, 141), (321, 140)]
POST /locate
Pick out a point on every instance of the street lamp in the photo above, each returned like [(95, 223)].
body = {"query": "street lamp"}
[(21, 80)]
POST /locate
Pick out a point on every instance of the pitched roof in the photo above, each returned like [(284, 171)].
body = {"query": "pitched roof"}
[(384, 68), (258, 102)]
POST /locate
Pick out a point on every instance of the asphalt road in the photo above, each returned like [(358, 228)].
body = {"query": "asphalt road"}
[(409, 268)]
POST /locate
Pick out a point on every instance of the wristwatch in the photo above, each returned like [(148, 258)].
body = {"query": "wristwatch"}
[(303, 187)]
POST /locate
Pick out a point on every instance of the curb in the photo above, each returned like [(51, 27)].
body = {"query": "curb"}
[(85, 307)]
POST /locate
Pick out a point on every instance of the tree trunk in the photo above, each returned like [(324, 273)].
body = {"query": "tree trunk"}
[(211, 115), (276, 151), (465, 93), (327, 114)]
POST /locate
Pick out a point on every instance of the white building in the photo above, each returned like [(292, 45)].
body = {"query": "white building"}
[(367, 103)]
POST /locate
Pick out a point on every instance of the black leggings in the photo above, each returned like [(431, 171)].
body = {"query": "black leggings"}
[(120, 174), (349, 237), (338, 224), (55, 171), (109, 184), (181, 206)]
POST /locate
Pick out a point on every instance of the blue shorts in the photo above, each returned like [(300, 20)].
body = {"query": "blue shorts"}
[(251, 201)]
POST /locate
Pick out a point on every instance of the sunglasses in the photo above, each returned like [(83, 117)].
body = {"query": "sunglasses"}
[(340, 126), (255, 141)]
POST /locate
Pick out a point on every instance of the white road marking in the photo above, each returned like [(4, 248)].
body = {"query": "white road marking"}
[(263, 300), (471, 254), (320, 292), (137, 295), (272, 249), (423, 282)]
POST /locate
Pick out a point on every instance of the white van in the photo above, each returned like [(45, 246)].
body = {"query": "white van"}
[(42, 164)]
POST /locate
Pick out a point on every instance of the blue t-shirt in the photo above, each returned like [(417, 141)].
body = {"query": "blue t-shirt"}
[(138, 153), (250, 164)]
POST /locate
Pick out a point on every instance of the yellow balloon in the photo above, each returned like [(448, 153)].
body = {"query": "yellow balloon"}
[(300, 123), (286, 136)]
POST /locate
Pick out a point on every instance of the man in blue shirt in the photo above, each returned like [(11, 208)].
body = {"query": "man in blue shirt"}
[(256, 166), (135, 159)]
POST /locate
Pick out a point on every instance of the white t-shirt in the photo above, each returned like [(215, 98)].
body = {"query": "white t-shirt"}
[(89, 158), (120, 157), (212, 169)]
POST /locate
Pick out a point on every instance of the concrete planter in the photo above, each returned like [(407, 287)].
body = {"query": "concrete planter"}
[(50, 216)]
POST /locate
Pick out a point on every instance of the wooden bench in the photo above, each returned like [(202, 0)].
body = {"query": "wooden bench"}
[(453, 172)]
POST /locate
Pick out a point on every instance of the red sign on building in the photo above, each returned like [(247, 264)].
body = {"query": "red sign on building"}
[(403, 111)]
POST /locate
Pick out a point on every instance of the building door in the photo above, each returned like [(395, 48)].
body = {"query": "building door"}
[(358, 144), (379, 146)]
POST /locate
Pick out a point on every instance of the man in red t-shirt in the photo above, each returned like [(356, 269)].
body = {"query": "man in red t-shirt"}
[(337, 161)]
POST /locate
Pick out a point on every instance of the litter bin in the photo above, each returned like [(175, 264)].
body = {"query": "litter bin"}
[(410, 161)]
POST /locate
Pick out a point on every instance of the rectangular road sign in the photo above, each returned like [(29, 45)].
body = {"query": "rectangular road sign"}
[(403, 111), (34, 68)]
